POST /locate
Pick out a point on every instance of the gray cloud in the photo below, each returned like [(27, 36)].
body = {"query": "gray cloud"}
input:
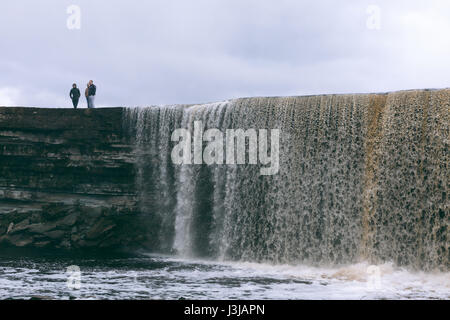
[(170, 51)]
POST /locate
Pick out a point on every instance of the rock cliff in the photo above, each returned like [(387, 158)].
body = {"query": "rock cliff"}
[(67, 180)]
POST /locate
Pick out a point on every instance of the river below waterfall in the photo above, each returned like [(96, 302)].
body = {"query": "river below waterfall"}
[(167, 277)]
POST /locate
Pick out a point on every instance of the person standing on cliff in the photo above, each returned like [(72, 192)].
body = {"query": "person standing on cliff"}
[(75, 95), (86, 94), (92, 90)]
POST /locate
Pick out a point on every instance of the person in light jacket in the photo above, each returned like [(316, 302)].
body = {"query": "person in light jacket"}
[(92, 90), (86, 94)]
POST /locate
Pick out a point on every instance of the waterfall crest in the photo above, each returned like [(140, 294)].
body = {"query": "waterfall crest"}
[(361, 177)]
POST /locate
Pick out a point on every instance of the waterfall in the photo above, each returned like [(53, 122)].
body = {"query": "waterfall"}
[(361, 177)]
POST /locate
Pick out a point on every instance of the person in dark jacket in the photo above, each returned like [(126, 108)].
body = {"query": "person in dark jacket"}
[(92, 90), (75, 95)]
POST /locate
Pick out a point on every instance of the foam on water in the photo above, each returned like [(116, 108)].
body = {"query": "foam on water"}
[(165, 277)]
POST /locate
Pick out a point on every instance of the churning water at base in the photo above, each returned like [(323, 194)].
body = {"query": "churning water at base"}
[(163, 277)]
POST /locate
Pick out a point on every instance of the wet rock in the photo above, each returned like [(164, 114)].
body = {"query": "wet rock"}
[(42, 244), (65, 244), (41, 227), (41, 298), (68, 221), (10, 227), (56, 234), (23, 225), (99, 229), (67, 179), (18, 240)]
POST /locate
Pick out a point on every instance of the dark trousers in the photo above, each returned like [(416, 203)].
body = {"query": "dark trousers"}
[(75, 102)]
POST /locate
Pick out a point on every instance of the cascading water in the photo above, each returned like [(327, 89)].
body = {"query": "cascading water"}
[(361, 177)]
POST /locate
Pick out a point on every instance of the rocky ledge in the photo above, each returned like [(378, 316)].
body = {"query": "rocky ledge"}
[(67, 180)]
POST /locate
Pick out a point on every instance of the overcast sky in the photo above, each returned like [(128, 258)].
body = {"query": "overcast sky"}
[(193, 51)]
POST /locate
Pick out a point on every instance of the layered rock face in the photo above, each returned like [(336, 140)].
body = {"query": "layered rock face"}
[(66, 180)]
